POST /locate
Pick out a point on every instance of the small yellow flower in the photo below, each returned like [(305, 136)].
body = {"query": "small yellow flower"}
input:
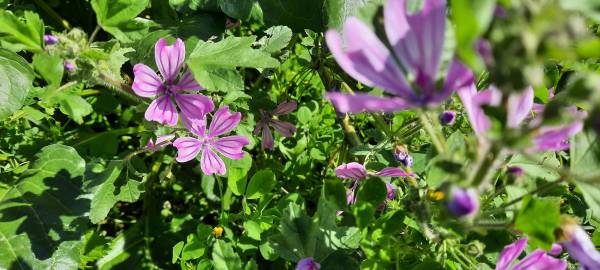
[(435, 195), (217, 231)]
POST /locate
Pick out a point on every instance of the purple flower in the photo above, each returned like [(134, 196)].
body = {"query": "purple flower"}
[(286, 129), (417, 41), (356, 171), (515, 171), (308, 264), (50, 39), (538, 259), (463, 202), (401, 154), (519, 108), (147, 83), (448, 118), (579, 245), (69, 66), (391, 191), (207, 143), (484, 49), (161, 142)]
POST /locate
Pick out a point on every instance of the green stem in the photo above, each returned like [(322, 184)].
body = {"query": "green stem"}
[(486, 166), (53, 14), (120, 89), (433, 134)]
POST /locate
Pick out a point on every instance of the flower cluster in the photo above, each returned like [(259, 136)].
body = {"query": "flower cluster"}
[(173, 91)]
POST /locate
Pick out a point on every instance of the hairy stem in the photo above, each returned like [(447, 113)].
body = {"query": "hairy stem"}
[(434, 134)]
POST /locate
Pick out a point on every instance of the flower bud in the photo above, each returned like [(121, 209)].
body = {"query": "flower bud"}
[(447, 118), (391, 191), (308, 264), (50, 39), (463, 202), (69, 66)]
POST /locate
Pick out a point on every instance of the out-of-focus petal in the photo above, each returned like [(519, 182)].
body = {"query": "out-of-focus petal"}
[(393, 172), (539, 260), (211, 163), (155, 146), (194, 106), (472, 102), (519, 107), (360, 102), (230, 146), (169, 58), (308, 264), (223, 121), (285, 128), (555, 138), (187, 83), (352, 170), (187, 148), (579, 245), (417, 39), (463, 202), (146, 83), (366, 59), (163, 111), (267, 138), (285, 108), (510, 253), (458, 77)]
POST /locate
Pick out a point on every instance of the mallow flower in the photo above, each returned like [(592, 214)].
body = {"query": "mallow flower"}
[(417, 42), (538, 259), (356, 172), (308, 264), (579, 245), (209, 144), (171, 89), (520, 107), (286, 129)]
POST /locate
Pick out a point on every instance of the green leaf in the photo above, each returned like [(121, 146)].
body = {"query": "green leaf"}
[(334, 193), (118, 17), (298, 15), (277, 38), (50, 67), (177, 251), (239, 9), (339, 10), (20, 34), (540, 230), (542, 165), (214, 63), (298, 234), (590, 8), (237, 171), (44, 209), (372, 191), (15, 82), (224, 258), (261, 183), (107, 189), (74, 106), (193, 250), (585, 155), (471, 18), (253, 229), (304, 115), (125, 251)]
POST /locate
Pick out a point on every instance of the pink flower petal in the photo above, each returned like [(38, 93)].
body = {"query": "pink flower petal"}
[(196, 126), (510, 253), (458, 76), (187, 82), (519, 107), (211, 163), (152, 146), (146, 83), (223, 121), (194, 106), (285, 108), (418, 39), (393, 172), (163, 111), (169, 58), (231, 146), (360, 102), (366, 59), (286, 129), (352, 170), (187, 148), (267, 138)]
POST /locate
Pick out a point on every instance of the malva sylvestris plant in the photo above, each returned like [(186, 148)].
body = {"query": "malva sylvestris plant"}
[(395, 134)]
